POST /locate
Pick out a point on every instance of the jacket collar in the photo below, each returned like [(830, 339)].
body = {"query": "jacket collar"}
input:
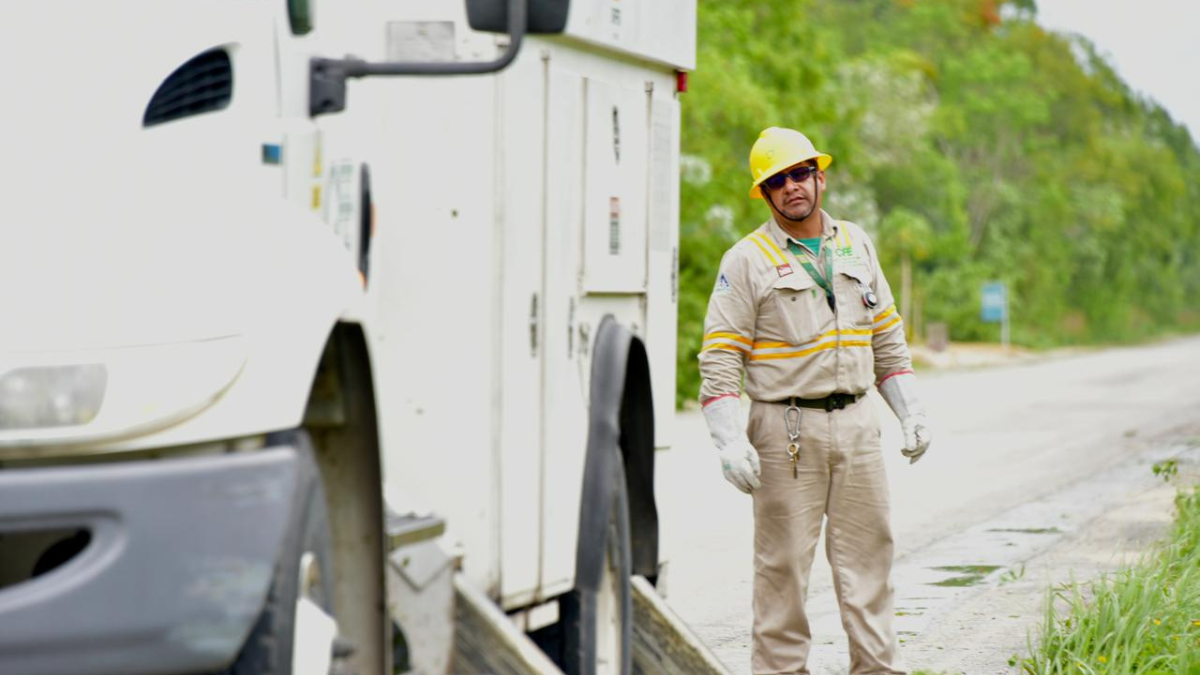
[(829, 228)]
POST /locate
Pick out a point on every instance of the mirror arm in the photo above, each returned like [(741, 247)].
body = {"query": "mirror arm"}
[(327, 77)]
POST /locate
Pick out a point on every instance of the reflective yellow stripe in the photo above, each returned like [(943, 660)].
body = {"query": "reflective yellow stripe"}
[(893, 322), (774, 247), (731, 336), (806, 352), (772, 345), (885, 314), (726, 346), (776, 253), (775, 262), (822, 336), (792, 355)]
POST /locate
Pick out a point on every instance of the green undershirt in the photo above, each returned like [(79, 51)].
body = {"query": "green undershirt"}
[(813, 244)]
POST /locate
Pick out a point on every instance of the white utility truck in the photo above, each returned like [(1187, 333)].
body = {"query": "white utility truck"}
[(324, 363)]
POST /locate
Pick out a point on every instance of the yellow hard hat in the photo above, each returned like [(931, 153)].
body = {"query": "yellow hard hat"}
[(776, 149)]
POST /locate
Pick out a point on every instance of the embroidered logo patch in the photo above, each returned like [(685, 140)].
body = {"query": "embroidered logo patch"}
[(723, 285), (847, 255), (783, 270)]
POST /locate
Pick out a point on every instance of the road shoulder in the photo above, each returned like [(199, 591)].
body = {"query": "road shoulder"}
[(970, 602), (985, 629)]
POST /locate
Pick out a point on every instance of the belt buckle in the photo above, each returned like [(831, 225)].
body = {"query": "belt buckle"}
[(835, 401)]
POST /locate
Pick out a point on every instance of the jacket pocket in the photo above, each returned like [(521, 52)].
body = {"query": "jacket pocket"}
[(851, 287), (800, 309)]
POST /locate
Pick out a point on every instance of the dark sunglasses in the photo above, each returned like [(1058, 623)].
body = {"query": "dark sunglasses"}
[(798, 175)]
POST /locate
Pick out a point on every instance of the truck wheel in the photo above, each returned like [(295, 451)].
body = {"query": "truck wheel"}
[(296, 627), (597, 624)]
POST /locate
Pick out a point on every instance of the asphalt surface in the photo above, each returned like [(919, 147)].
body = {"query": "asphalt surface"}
[(1028, 462)]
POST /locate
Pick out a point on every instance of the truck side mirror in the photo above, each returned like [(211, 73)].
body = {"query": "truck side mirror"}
[(542, 16), (327, 77)]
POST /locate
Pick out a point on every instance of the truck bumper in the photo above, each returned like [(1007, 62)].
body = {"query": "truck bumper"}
[(177, 569)]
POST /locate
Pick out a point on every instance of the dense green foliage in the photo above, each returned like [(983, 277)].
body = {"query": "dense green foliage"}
[(1141, 621), (970, 142)]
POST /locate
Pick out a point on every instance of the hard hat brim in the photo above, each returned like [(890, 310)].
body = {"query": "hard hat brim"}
[(823, 162)]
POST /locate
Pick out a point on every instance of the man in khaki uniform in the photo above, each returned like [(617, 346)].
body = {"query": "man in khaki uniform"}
[(802, 308)]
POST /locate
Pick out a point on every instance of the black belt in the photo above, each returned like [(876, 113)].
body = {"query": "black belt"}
[(834, 401)]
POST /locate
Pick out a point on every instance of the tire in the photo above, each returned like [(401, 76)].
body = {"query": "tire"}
[(269, 648), (597, 622)]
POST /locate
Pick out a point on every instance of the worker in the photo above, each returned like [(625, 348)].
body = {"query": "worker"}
[(802, 309)]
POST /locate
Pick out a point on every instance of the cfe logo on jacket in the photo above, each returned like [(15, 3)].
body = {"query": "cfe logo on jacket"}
[(846, 255)]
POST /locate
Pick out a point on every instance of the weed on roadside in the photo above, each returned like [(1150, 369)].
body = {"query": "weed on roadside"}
[(1166, 469), (1012, 574), (1142, 620)]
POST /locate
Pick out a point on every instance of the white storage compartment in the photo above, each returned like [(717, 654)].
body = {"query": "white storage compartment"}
[(615, 180)]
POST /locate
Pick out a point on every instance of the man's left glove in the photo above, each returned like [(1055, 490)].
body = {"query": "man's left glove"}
[(900, 392), (739, 459)]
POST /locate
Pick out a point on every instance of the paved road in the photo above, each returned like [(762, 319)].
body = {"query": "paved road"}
[(1044, 447)]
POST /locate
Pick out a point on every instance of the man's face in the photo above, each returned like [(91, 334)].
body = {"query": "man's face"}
[(796, 200)]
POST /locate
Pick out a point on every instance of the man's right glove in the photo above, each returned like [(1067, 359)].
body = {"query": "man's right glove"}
[(739, 459), (900, 392)]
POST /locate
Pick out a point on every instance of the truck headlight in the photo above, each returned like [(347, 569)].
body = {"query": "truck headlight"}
[(69, 398), (51, 396)]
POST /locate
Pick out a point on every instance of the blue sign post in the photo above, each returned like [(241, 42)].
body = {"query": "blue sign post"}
[(994, 307)]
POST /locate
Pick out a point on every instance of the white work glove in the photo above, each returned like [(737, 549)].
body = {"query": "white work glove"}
[(900, 392), (739, 459)]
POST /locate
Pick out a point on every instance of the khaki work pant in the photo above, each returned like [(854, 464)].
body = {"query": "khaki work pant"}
[(840, 476)]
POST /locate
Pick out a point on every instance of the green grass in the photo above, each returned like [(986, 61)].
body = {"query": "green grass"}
[(1142, 620)]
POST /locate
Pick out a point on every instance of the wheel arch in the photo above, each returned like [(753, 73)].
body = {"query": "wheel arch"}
[(620, 428), (341, 420)]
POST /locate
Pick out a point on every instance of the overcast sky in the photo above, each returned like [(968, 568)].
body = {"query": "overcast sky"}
[(1154, 45)]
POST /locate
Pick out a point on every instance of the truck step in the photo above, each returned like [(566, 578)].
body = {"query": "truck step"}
[(662, 643), (487, 641), (407, 529)]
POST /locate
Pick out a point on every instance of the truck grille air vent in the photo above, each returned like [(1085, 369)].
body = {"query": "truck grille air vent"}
[(201, 85)]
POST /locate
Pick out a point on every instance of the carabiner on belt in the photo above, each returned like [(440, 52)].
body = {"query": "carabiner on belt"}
[(791, 420)]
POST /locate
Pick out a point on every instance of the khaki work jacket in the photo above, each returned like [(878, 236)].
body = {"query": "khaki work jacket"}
[(767, 317)]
